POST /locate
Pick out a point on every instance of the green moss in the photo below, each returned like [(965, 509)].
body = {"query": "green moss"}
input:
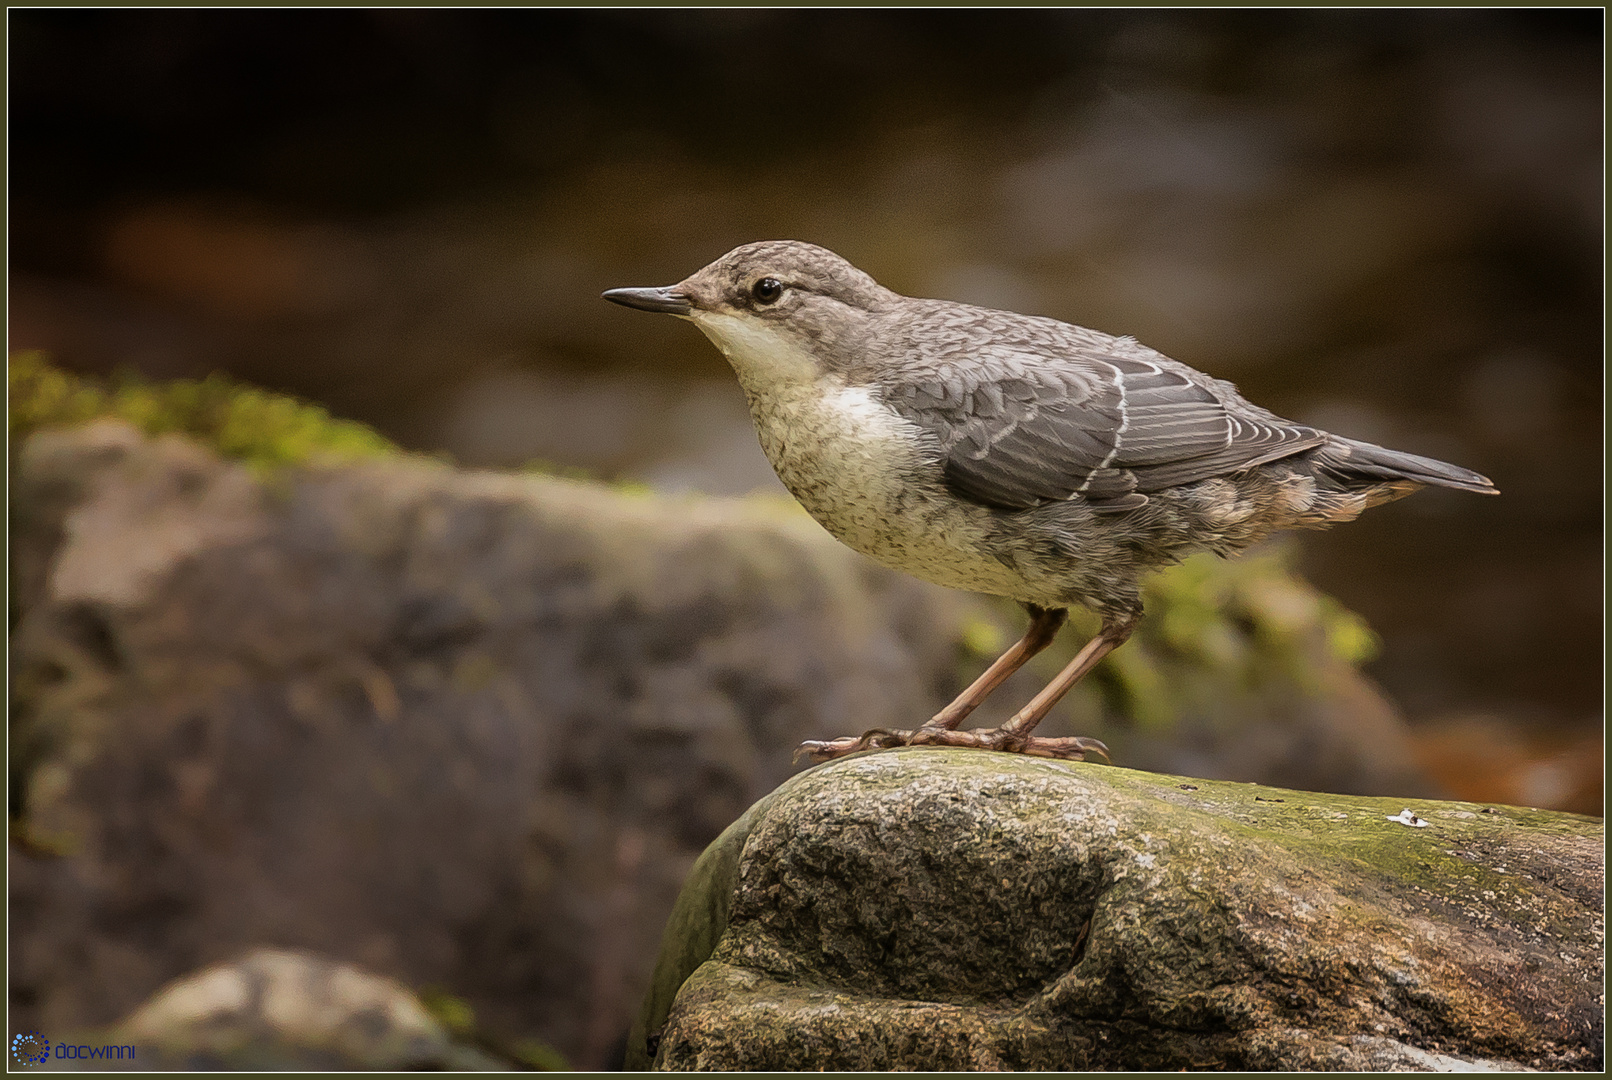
[(453, 1013), (545, 467), (1352, 832), (983, 638), (539, 1056), (1140, 681), (241, 422), (1348, 636), (458, 1018)]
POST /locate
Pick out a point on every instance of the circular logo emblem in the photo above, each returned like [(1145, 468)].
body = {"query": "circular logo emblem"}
[(30, 1049)]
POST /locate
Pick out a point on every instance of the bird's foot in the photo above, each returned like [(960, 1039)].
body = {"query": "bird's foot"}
[(1071, 748)]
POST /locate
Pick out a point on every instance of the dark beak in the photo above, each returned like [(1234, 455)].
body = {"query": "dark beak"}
[(672, 303)]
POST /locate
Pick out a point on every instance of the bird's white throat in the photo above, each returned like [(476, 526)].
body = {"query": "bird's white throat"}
[(764, 356)]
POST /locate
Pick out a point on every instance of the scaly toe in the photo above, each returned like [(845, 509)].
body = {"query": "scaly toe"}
[(821, 750), (1074, 748), (825, 749)]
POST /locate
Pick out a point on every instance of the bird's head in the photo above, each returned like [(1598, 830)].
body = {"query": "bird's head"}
[(777, 306)]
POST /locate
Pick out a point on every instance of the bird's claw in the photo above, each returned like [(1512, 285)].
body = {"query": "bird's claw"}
[(828, 749), (1071, 748)]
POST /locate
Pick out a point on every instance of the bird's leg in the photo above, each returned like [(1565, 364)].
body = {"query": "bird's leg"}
[(1013, 736), (1044, 626)]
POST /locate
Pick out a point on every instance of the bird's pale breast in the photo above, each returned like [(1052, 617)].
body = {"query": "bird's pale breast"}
[(861, 471), (866, 474)]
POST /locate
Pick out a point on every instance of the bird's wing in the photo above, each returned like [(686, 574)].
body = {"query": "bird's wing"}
[(1021, 429)]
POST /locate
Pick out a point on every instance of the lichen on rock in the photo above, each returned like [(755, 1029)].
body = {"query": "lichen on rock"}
[(941, 909)]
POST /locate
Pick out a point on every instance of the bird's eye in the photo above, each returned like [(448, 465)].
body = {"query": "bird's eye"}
[(767, 290)]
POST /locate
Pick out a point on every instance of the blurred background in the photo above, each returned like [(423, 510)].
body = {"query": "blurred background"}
[(1385, 223)]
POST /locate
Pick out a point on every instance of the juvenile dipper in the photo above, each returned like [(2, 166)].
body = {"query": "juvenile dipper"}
[(1011, 454)]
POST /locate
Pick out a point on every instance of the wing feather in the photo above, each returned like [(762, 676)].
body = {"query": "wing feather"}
[(1019, 429)]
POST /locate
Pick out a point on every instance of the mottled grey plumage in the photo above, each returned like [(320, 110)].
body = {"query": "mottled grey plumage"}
[(1011, 454)]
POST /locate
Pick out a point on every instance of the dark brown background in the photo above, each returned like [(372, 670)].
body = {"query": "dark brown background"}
[(1388, 223)]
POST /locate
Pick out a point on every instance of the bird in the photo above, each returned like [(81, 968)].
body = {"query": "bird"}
[(1013, 455)]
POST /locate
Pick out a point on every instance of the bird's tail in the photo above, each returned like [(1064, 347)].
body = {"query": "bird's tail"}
[(1347, 460)]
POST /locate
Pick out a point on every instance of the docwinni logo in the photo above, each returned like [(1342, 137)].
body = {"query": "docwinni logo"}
[(30, 1049)]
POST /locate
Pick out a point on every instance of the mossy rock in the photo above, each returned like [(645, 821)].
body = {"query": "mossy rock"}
[(236, 420), (943, 909)]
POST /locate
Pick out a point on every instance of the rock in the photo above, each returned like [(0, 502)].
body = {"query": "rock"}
[(283, 1009), (462, 729), (938, 909)]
